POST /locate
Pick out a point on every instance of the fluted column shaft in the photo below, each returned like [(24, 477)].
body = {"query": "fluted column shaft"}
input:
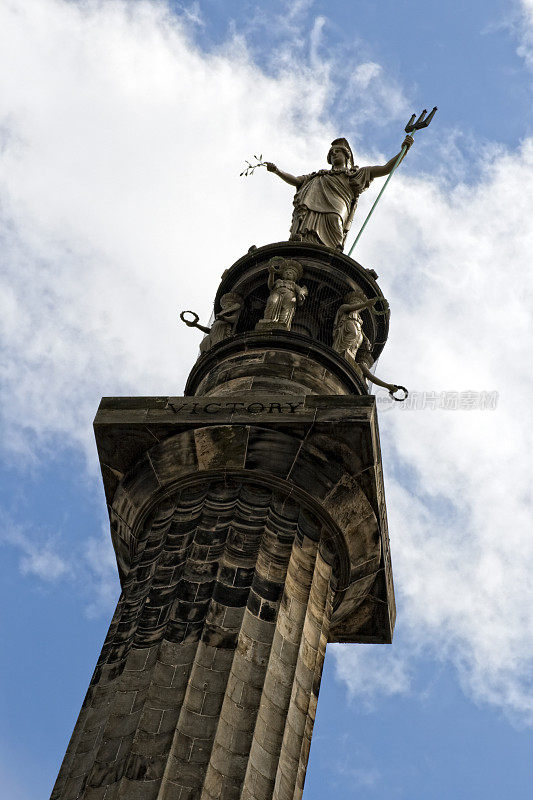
[(207, 681)]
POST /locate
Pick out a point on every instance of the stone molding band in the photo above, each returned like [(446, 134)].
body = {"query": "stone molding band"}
[(275, 340)]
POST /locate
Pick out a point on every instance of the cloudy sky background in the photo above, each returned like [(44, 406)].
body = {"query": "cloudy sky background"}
[(123, 129)]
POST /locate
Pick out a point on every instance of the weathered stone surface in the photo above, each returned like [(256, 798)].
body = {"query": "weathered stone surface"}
[(205, 729), (248, 519), (303, 441)]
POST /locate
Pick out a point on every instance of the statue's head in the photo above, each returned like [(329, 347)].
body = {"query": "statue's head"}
[(340, 154), (288, 268), (230, 299), (291, 270)]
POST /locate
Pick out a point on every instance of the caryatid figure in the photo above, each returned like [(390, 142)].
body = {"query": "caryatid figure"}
[(348, 333), (285, 293), (325, 201), (222, 327), (350, 341), (224, 324)]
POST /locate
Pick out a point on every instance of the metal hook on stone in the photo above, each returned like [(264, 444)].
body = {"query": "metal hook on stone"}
[(194, 323)]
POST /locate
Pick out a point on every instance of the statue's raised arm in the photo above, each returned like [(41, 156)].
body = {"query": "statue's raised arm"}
[(285, 176), (386, 169), (325, 201)]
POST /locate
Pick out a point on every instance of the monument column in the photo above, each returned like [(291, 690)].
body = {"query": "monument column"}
[(248, 520)]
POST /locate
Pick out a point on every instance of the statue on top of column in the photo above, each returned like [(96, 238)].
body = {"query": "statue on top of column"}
[(325, 201)]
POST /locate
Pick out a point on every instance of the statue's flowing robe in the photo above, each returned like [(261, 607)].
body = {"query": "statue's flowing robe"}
[(325, 202), (348, 333), (281, 303)]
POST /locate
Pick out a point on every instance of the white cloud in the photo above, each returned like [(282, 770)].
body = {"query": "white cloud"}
[(520, 22), (90, 565), (366, 73), (38, 552), (353, 762), (121, 197), (375, 96), (103, 588), (455, 267), (371, 672), (121, 144), (46, 565)]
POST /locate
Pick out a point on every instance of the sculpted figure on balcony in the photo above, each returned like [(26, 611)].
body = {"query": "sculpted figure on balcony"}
[(285, 293)]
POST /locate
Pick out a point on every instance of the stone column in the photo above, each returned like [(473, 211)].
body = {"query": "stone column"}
[(248, 520), (207, 676)]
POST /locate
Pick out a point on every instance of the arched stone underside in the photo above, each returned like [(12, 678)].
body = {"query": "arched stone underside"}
[(208, 680), (316, 469)]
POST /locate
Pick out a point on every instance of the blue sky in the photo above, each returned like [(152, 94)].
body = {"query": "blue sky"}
[(123, 127), (464, 51)]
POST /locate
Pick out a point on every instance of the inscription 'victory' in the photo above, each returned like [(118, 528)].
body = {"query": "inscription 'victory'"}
[(235, 408)]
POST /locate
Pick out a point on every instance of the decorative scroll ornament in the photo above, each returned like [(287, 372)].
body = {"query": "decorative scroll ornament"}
[(285, 294)]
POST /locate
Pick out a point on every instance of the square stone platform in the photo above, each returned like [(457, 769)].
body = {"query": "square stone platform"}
[(340, 431)]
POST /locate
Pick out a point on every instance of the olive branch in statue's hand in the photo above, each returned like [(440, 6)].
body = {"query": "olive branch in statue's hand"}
[(249, 170)]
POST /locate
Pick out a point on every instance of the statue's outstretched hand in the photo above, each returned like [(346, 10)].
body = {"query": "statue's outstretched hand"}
[(408, 141), (270, 166)]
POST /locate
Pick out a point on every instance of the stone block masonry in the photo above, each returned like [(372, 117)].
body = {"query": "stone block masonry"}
[(249, 524)]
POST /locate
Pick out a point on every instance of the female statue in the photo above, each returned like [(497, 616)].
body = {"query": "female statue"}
[(325, 201), (285, 294), (230, 305), (348, 333), (350, 341), (222, 327)]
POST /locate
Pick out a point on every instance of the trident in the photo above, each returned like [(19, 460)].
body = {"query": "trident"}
[(411, 127)]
